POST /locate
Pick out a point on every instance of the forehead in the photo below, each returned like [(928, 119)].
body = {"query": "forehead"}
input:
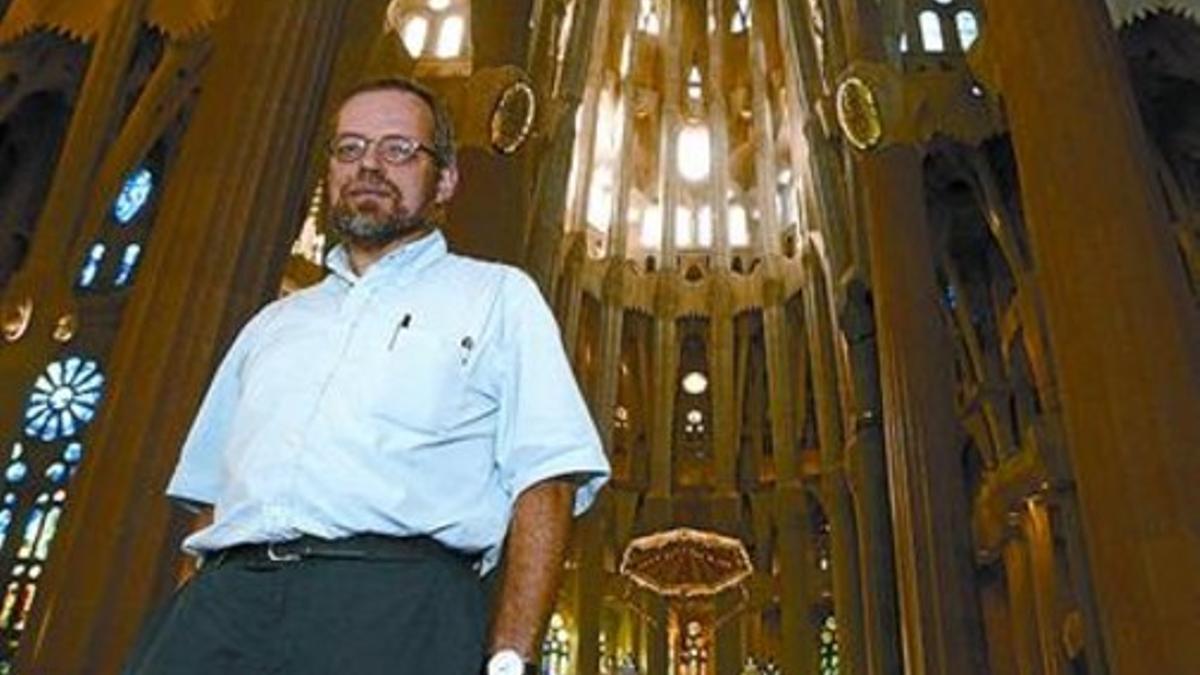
[(378, 113)]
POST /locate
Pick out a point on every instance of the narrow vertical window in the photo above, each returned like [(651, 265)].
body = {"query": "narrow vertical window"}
[(968, 28), (931, 32)]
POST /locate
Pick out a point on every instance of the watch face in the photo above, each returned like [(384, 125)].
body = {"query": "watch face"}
[(506, 662)]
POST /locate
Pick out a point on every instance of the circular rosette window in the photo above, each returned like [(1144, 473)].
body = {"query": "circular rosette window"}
[(64, 399)]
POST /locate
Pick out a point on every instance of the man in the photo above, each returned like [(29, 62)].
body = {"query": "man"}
[(367, 443)]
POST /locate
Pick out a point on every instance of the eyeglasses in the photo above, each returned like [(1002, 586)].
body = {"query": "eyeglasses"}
[(391, 150)]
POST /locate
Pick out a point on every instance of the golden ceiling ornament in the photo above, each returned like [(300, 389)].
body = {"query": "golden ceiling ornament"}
[(185, 18), (64, 328), (78, 20), (858, 113), (513, 117), (16, 319), (686, 563)]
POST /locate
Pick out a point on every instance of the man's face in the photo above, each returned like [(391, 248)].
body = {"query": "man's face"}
[(373, 202)]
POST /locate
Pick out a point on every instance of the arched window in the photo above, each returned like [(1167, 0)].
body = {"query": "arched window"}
[(648, 17), (740, 21), (436, 33), (129, 214), (931, 32), (968, 28)]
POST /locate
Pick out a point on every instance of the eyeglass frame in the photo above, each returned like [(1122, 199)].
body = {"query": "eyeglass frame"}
[(378, 142)]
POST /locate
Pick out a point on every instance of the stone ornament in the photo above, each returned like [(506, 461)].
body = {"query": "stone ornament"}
[(513, 117), (64, 328), (16, 319), (858, 114)]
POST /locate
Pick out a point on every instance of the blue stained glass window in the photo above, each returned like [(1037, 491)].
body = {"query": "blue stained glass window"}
[(16, 472), (64, 399), (134, 195), (968, 28), (73, 453), (56, 472), (129, 261), (91, 266)]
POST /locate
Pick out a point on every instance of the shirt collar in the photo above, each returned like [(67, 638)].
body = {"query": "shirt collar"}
[(409, 257)]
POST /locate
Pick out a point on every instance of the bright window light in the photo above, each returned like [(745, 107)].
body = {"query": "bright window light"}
[(693, 153), (694, 383), (968, 28), (704, 226), (683, 227), (931, 32), (739, 228), (600, 197), (416, 31), (651, 227), (450, 38)]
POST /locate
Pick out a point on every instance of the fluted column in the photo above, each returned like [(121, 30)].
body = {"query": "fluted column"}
[(867, 474), (665, 362), (718, 133), (544, 235), (939, 613), (242, 167), (839, 506), (766, 237), (585, 144), (1121, 323), (1022, 616), (670, 123)]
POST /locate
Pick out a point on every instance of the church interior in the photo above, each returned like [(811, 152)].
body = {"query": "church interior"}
[(887, 311)]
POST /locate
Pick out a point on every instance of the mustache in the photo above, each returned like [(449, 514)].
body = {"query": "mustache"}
[(371, 182)]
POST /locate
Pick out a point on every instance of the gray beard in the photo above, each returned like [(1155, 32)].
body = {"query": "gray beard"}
[(374, 231)]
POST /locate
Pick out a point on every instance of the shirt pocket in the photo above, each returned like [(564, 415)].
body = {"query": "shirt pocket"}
[(418, 381)]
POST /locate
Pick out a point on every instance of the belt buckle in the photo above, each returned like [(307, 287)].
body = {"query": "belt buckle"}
[(280, 557)]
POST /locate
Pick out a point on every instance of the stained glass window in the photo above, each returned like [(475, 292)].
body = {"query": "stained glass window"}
[(556, 648), (91, 265), (828, 647), (968, 28), (64, 399), (741, 17), (129, 261), (134, 195), (648, 17), (931, 32)]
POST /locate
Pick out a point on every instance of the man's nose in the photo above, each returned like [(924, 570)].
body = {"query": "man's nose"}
[(369, 173), (370, 160)]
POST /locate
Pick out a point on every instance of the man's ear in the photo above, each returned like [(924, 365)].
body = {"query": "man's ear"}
[(446, 185)]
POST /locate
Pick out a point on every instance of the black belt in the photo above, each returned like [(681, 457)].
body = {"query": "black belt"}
[(359, 547)]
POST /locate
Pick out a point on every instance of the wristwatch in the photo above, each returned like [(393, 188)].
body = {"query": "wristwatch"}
[(509, 662)]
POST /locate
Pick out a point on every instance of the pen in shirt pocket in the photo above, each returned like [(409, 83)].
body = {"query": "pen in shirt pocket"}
[(466, 346), (400, 325)]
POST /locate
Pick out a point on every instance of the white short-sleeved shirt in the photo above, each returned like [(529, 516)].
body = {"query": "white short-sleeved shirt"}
[(420, 398)]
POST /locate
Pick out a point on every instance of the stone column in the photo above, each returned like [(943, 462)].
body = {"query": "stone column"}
[(1022, 614), (940, 629), (544, 235), (835, 490), (232, 206), (867, 474), (1120, 322)]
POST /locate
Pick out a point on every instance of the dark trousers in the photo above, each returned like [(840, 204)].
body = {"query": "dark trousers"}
[(320, 616)]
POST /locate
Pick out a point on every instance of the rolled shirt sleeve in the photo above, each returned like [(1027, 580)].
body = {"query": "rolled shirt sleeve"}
[(546, 430)]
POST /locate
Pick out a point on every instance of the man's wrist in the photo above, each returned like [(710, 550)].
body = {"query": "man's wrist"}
[(508, 662)]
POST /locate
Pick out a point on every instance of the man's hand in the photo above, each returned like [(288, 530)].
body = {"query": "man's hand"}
[(537, 546)]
